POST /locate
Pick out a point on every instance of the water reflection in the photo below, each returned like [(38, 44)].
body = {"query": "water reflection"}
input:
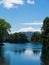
[(20, 54), (3, 61), (20, 51), (36, 51), (45, 57), (28, 51)]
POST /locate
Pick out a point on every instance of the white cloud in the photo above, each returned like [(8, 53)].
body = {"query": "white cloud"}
[(33, 23), (28, 29), (11, 3), (14, 3), (31, 1)]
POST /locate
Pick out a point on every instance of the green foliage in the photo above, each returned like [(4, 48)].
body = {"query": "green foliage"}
[(36, 37), (17, 38), (45, 31), (4, 28)]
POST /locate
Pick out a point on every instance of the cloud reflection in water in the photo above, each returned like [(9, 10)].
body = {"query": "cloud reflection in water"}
[(31, 55)]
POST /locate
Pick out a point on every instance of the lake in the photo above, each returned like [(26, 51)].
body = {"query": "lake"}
[(20, 54)]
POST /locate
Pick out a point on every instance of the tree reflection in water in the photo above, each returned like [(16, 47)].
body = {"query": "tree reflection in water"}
[(45, 57), (20, 51), (3, 61), (35, 51)]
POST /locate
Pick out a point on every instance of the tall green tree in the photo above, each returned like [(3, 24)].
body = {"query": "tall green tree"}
[(45, 40), (4, 28), (45, 32)]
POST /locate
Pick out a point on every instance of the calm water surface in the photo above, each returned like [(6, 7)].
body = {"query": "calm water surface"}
[(21, 54)]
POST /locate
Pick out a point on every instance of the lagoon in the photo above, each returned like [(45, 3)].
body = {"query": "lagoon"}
[(20, 54)]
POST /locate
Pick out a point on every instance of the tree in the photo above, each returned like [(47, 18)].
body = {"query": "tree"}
[(22, 38), (12, 38), (4, 28), (45, 38), (36, 36), (17, 38), (45, 31)]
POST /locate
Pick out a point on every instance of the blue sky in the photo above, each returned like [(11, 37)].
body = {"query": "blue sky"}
[(24, 15)]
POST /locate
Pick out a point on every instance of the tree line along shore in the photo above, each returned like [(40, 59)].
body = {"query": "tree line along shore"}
[(37, 37)]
